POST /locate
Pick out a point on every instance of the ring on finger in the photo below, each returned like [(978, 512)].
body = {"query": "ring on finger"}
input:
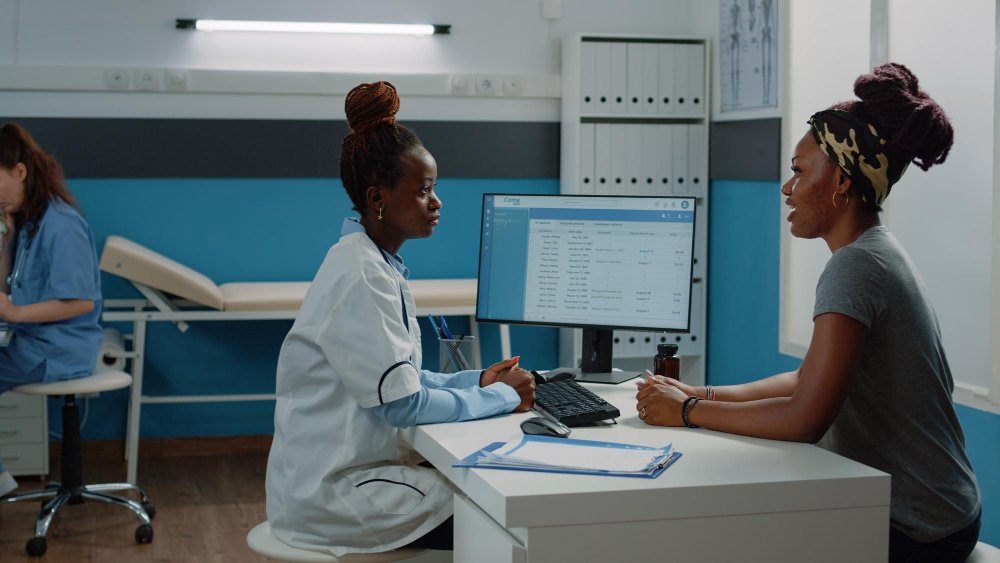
[(642, 413)]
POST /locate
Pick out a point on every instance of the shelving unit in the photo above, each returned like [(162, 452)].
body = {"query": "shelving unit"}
[(635, 113)]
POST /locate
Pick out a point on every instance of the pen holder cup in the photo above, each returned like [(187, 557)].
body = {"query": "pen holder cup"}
[(454, 353)]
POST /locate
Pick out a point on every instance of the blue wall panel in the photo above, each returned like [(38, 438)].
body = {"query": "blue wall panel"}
[(262, 230), (743, 283)]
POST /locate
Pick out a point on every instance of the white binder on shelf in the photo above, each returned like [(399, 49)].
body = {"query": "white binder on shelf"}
[(619, 77), (602, 158), (602, 77), (667, 80), (650, 78), (665, 176), (681, 186), (697, 161), (588, 78), (618, 172), (634, 100), (652, 154), (633, 158), (696, 78), (585, 180), (682, 84)]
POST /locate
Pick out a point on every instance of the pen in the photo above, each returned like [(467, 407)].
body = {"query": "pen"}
[(434, 325), (444, 328)]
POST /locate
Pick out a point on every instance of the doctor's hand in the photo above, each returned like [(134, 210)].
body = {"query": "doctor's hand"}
[(660, 404), (490, 374), (523, 382)]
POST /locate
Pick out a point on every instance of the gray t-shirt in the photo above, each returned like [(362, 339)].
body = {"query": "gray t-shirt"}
[(899, 416)]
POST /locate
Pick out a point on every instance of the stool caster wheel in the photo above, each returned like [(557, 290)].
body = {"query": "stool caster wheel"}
[(150, 510), (144, 534), (36, 547)]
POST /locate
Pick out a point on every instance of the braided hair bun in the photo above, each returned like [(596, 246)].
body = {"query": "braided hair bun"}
[(370, 105), (912, 123), (372, 150)]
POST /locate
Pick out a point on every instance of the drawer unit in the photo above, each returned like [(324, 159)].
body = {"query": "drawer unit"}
[(24, 446)]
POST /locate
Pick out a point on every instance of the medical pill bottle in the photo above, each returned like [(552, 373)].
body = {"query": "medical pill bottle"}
[(666, 362)]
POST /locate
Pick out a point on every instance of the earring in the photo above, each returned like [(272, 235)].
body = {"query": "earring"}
[(847, 200), (379, 213)]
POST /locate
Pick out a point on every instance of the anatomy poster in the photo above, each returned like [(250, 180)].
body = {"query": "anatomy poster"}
[(748, 54)]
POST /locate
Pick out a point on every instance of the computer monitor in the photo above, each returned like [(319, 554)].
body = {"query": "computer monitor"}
[(598, 263)]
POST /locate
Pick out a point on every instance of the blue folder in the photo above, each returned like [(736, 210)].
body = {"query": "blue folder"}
[(478, 461)]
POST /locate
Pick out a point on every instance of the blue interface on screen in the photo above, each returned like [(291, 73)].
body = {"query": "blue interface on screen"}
[(587, 261)]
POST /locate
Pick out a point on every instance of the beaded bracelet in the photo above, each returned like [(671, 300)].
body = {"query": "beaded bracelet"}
[(689, 404)]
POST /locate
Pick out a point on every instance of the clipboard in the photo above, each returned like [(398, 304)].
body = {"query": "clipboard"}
[(479, 459)]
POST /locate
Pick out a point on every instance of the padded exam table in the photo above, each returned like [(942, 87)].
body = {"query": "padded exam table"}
[(175, 293)]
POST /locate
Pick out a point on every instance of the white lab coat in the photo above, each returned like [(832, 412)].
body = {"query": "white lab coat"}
[(336, 479)]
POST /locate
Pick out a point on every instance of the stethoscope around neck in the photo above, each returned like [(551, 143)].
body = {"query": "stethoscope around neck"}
[(22, 255)]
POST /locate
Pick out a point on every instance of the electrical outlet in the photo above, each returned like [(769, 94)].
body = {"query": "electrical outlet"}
[(487, 85), (117, 78), (461, 85), (175, 79), (513, 87), (147, 79)]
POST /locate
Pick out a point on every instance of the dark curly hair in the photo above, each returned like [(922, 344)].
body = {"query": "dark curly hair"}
[(44, 180), (372, 149), (915, 127)]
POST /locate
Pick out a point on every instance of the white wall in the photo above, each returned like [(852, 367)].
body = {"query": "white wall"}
[(827, 49), (943, 217), (486, 37)]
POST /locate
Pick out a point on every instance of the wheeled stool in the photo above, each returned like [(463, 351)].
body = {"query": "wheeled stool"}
[(71, 489), (262, 540)]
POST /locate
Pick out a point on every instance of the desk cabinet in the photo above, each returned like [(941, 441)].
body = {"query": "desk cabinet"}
[(24, 434), (729, 498)]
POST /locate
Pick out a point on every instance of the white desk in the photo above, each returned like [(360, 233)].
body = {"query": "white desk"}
[(729, 498)]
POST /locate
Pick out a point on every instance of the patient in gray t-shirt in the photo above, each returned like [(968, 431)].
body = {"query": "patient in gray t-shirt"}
[(899, 417)]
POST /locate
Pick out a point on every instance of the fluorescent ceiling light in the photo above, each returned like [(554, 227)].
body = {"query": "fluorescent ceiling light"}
[(312, 27)]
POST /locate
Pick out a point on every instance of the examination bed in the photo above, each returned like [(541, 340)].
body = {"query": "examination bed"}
[(176, 293)]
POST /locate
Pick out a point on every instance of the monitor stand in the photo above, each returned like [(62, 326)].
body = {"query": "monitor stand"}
[(608, 377), (596, 364)]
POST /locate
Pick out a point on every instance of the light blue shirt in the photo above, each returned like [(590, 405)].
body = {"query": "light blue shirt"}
[(443, 397), (58, 262)]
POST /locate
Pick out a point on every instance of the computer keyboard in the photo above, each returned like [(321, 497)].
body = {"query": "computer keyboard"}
[(572, 404)]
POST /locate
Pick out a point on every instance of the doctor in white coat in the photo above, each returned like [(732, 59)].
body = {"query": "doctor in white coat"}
[(349, 370)]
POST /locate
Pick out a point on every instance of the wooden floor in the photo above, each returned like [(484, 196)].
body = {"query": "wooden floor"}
[(208, 493)]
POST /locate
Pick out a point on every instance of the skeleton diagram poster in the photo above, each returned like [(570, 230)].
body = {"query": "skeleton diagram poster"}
[(748, 54)]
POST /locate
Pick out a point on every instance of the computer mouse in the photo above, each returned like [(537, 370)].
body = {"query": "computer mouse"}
[(545, 427)]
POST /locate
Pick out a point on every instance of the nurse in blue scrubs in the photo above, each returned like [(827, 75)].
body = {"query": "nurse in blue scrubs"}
[(50, 287)]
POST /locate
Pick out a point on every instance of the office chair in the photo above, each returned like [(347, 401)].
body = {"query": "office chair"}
[(72, 490)]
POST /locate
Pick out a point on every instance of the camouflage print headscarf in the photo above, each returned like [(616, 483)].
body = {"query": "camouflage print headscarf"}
[(857, 149)]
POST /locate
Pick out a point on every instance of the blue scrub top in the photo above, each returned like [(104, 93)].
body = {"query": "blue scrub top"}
[(58, 262)]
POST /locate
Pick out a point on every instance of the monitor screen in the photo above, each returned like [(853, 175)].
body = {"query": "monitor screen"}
[(600, 262)]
